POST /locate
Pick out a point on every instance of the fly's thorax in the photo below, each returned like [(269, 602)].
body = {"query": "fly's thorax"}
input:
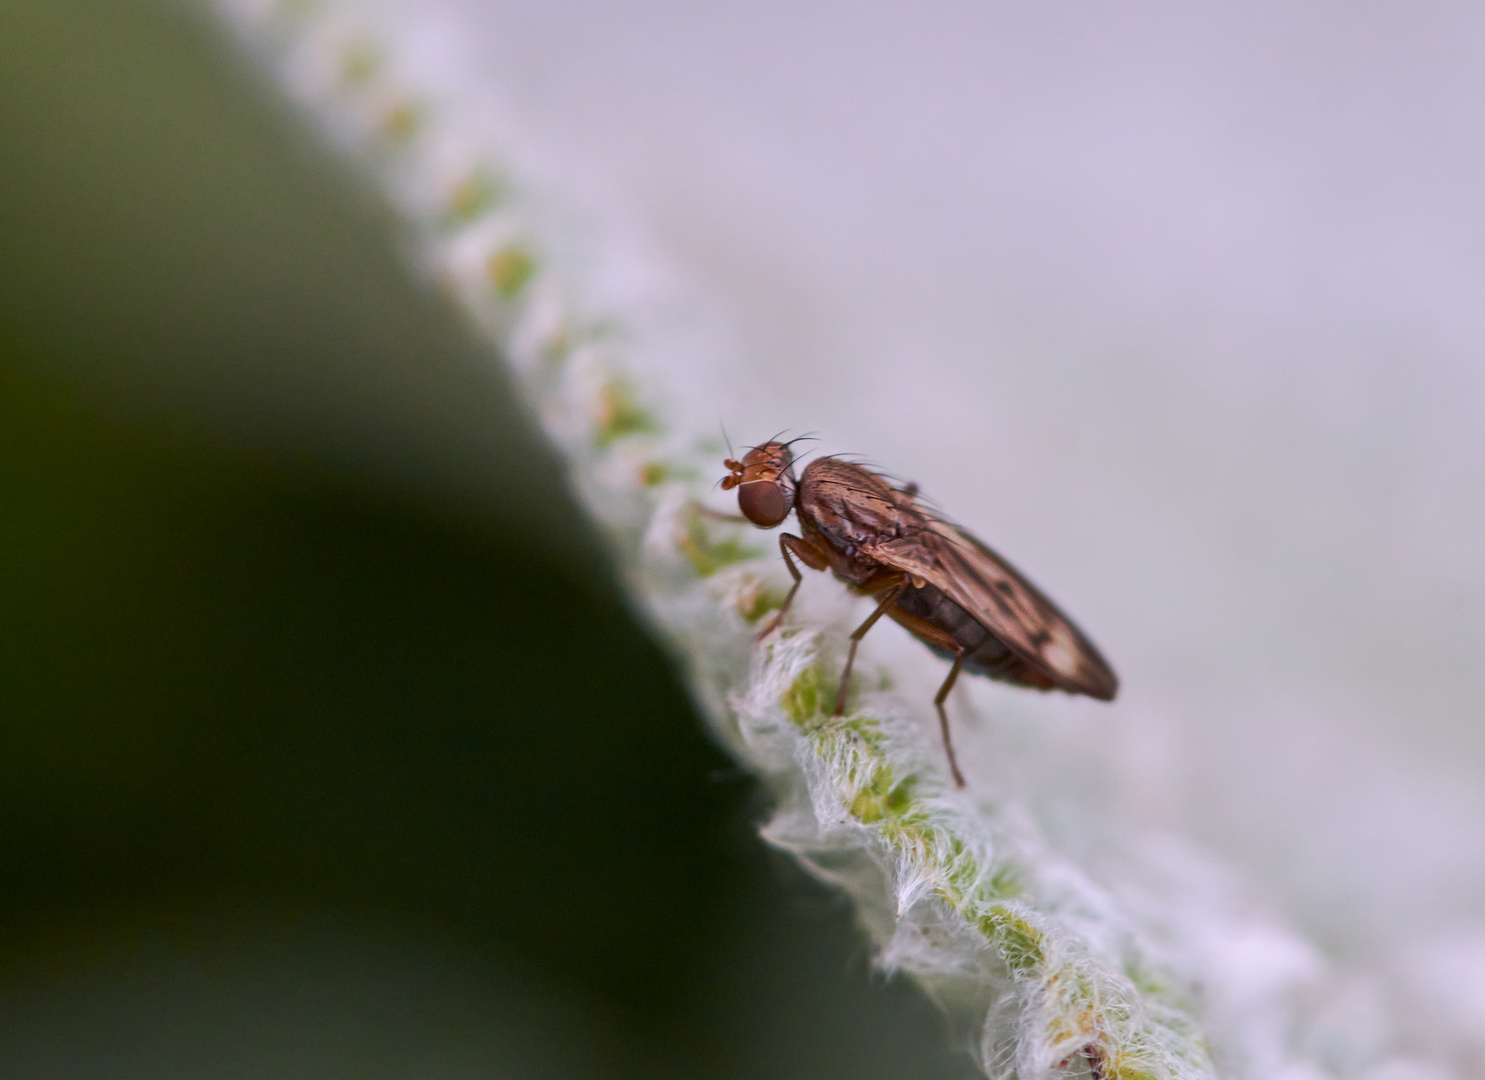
[(853, 507), (845, 561)]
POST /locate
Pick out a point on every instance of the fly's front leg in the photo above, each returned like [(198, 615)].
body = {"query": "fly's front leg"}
[(888, 598), (718, 515), (808, 554), (943, 717)]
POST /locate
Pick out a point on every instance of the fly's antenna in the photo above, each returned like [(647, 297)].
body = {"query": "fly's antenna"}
[(727, 482)]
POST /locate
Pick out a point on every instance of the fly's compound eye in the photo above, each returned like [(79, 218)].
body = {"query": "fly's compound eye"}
[(763, 503)]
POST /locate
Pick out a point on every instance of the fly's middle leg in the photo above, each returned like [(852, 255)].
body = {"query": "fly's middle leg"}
[(943, 717), (888, 598)]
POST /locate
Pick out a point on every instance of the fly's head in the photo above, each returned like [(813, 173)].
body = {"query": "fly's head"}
[(764, 479)]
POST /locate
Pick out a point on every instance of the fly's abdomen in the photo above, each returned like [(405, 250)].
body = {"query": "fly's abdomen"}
[(985, 654)]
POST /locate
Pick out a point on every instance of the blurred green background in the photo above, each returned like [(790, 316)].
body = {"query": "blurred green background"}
[(327, 745)]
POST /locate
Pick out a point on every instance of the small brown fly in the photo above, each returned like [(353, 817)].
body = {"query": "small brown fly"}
[(944, 586)]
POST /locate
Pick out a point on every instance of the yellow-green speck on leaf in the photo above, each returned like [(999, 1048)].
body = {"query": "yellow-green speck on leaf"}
[(1146, 981), (1005, 881), (1122, 1071), (805, 697), (654, 473), (708, 555), (884, 797), (619, 414), (509, 269), (401, 122), (757, 602), (478, 192), (360, 62), (1020, 942)]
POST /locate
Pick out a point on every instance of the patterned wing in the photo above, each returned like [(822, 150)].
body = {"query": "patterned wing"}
[(1008, 605)]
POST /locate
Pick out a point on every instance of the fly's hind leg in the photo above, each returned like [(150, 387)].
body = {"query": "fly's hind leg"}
[(808, 554), (943, 717), (887, 601)]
